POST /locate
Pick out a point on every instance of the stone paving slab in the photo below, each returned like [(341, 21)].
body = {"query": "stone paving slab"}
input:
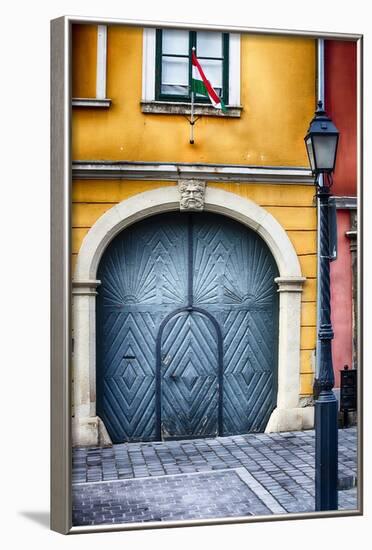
[(281, 463), (165, 498)]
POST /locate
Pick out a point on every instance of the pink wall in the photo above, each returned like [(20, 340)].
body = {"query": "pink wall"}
[(341, 298), (340, 103)]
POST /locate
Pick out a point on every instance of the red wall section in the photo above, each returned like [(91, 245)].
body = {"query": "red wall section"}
[(341, 298), (341, 105)]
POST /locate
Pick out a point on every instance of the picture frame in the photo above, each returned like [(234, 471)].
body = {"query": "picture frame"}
[(61, 247)]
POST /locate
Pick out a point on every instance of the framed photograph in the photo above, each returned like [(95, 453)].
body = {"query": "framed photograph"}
[(206, 357)]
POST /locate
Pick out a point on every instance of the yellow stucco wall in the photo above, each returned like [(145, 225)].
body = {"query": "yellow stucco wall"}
[(291, 205), (84, 60), (277, 96)]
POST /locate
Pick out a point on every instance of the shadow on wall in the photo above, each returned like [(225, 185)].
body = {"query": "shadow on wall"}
[(42, 518)]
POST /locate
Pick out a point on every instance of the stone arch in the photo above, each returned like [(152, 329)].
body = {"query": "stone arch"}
[(88, 429)]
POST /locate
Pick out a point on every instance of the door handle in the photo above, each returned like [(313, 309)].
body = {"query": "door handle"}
[(166, 359)]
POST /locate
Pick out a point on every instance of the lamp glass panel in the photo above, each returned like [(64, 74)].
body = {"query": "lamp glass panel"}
[(310, 152), (325, 151)]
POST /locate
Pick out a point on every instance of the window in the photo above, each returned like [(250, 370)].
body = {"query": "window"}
[(173, 63), (166, 71)]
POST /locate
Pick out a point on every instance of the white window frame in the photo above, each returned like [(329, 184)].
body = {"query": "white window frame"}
[(101, 71), (149, 104)]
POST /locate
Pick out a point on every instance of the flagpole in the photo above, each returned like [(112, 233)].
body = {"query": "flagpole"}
[(192, 122)]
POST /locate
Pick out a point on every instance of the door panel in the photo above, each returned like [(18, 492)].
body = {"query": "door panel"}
[(143, 275), (234, 275), (213, 279), (189, 377), (127, 396)]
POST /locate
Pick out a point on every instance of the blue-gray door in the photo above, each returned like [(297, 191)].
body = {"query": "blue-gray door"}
[(189, 376), (187, 329)]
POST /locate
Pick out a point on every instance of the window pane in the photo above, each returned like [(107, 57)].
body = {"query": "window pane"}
[(217, 90), (175, 75), (209, 44), (213, 71), (174, 90), (175, 42)]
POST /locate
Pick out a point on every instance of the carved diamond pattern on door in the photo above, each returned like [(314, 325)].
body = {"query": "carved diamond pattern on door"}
[(234, 275), (189, 373), (126, 401), (249, 381), (143, 275), (199, 287)]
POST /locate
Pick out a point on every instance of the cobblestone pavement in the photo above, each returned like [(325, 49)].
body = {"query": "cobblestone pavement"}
[(183, 496), (227, 476)]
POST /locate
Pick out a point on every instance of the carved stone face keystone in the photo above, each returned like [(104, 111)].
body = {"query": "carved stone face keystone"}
[(191, 194)]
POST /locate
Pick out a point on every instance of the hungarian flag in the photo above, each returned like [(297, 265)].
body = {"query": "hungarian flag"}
[(200, 85)]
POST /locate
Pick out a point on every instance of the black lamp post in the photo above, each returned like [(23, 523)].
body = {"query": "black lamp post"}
[(321, 143)]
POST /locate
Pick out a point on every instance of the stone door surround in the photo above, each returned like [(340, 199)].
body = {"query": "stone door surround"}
[(88, 429)]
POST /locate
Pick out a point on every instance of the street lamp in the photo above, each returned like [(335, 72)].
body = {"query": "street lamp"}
[(321, 143)]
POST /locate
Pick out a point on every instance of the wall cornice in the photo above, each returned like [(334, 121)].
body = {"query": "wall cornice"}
[(114, 170), (345, 203)]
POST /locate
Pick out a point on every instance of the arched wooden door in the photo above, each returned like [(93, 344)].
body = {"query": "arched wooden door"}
[(187, 329), (189, 375)]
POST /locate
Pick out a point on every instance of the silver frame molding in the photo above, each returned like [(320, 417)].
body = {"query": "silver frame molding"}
[(61, 287), (61, 511)]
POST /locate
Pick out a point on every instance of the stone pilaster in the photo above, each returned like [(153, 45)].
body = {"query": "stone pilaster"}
[(87, 428), (289, 415), (352, 235)]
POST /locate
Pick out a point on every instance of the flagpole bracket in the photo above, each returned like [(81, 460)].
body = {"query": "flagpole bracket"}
[(192, 122)]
